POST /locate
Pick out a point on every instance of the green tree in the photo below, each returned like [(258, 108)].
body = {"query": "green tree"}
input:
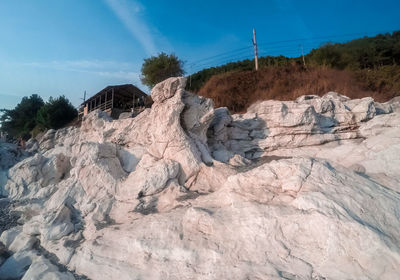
[(158, 68), (21, 120), (56, 113)]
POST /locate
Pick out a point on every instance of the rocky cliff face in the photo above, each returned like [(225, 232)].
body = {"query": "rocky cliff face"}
[(307, 189)]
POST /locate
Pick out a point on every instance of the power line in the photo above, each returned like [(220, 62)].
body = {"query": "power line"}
[(227, 58), (227, 55), (224, 58), (216, 59), (221, 62), (236, 58), (222, 54), (287, 46), (271, 50)]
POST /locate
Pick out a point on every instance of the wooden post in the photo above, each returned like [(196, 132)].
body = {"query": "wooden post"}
[(302, 54), (84, 96), (255, 48), (112, 98)]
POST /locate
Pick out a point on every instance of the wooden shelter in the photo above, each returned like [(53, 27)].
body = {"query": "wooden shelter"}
[(115, 100)]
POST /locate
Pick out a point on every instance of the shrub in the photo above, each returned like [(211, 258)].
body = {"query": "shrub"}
[(238, 90), (158, 68), (370, 53), (21, 120), (56, 113)]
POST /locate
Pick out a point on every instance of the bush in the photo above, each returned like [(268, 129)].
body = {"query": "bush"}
[(56, 113), (238, 90), (375, 53), (385, 79), (363, 53), (21, 120), (158, 68)]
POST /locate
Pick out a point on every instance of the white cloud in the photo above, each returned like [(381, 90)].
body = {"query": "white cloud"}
[(128, 14), (123, 75), (80, 64), (121, 71)]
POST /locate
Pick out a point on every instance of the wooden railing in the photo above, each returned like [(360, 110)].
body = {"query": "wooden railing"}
[(108, 105), (104, 106)]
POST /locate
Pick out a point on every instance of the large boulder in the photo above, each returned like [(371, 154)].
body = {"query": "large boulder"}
[(308, 121), (305, 189)]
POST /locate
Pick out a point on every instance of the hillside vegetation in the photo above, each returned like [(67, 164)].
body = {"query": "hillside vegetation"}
[(32, 116), (369, 66)]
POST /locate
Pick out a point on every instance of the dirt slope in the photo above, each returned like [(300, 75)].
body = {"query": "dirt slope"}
[(238, 90)]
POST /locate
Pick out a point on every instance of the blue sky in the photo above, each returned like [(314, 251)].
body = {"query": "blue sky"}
[(53, 47)]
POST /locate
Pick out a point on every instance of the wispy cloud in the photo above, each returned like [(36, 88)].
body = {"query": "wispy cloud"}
[(124, 75), (129, 14), (80, 64), (109, 69)]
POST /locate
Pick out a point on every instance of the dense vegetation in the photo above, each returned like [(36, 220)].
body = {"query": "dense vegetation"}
[(56, 113), (21, 120), (158, 68), (370, 65), (198, 79), (32, 115), (238, 90), (364, 53)]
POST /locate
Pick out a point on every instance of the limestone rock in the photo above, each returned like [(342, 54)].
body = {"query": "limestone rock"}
[(129, 158), (308, 121), (167, 89), (305, 189), (10, 154), (43, 269), (150, 178), (32, 146), (47, 140), (125, 115), (16, 266)]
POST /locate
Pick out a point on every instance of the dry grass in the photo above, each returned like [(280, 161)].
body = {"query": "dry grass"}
[(238, 90)]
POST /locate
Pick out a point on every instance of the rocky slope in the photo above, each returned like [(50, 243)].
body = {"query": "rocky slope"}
[(307, 189)]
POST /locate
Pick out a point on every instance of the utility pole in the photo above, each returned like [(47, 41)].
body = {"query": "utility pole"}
[(84, 96), (255, 48), (302, 54)]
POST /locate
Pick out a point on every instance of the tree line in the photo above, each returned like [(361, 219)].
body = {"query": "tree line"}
[(374, 60), (32, 115)]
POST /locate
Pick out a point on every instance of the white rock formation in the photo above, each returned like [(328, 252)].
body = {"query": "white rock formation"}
[(308, 121), (307, 189)]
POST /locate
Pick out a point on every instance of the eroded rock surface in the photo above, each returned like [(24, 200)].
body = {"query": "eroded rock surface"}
[(308, 121), (307, 189)]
